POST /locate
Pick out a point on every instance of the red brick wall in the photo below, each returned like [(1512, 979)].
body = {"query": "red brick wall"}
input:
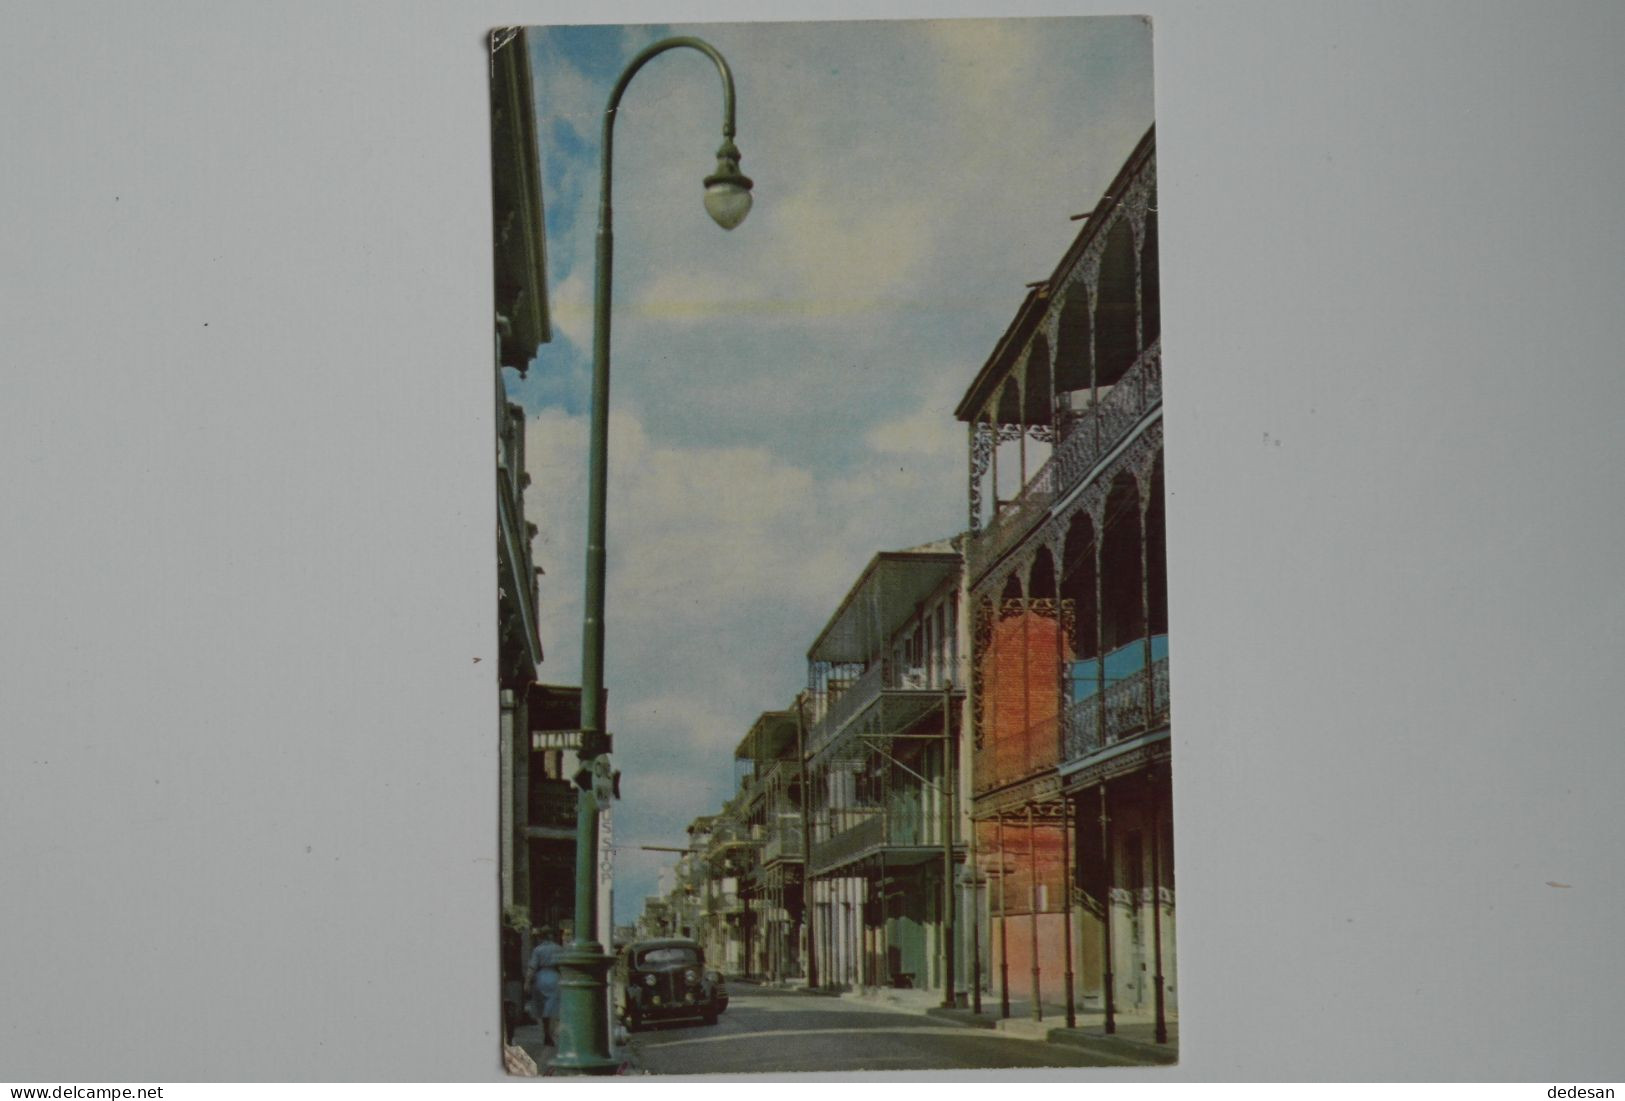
[(1020, 696), (1046, 849)]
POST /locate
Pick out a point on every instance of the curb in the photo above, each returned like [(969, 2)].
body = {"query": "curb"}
[(1132, 1052), (965, 1017)]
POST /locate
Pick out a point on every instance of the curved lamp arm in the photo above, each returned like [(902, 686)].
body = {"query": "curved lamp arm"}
[(680, 42)]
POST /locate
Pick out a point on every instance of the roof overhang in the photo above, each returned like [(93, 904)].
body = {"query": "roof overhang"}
[(1004, 354), (1025, 323), (520, 234), (888, 592), (770, 735)]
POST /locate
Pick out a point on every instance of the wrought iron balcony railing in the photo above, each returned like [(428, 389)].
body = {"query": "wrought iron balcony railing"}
[(1090, 434), (884, 675), (725, 833), (783, 843), (726, 902), (864, 834), (1123, 710), (898, 825), (1085, 437)]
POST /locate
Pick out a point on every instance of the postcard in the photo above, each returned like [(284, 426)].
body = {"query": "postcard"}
[(834, 678)]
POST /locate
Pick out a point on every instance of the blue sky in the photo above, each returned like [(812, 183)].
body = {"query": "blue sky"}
[(783, 394)]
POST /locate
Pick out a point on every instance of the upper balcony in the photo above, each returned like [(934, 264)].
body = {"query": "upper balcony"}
[(891, 649), (726, 901), (1087, 436), (769, 751), (1076, 370)]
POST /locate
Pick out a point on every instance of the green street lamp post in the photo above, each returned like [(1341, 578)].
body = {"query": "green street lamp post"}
[(584, 1038)]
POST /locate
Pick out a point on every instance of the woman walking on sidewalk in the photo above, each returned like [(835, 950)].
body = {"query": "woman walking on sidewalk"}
[(542, 980)]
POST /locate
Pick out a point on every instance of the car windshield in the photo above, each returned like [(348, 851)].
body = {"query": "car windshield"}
[(653, 956)]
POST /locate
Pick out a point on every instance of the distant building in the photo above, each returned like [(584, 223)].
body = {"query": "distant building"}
[(1068, 586), (730, 861), (776, 932)]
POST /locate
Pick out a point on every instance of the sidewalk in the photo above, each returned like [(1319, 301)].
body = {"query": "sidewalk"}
[(1133, 1041)]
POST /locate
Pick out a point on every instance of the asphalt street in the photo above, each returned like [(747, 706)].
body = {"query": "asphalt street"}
[(783, 1031)]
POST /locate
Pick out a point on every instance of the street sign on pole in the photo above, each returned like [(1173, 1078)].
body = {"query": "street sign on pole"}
[(603, 784)]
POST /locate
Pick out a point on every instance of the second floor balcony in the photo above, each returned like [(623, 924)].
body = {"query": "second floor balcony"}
[(1116, 698), (904, 830), (1085, 437)]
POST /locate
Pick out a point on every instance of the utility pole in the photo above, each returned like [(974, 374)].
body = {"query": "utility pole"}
[(948, 819), (584, 1033), (974, 864), (806, 845)]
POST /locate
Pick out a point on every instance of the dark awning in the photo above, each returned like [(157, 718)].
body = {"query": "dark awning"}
[(890, 590)]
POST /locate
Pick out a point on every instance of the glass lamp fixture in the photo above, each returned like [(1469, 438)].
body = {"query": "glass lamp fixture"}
[(727, 190)]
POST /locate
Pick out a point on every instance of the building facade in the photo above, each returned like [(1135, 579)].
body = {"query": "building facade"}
[(1066, 567), (522, 325), (540, 723), (776, 817)]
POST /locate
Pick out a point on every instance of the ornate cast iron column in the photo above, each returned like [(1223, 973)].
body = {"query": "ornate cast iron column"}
[(1032, 910), (1004, 941), (1066, 905), (1156, 899), (1107, 977)]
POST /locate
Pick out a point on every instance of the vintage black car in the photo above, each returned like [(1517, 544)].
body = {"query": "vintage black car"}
[(659, 980)]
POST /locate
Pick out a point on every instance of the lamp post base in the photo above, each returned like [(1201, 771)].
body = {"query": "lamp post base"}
[(584, 1036)]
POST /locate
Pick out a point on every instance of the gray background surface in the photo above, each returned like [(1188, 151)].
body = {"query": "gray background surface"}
[(248, 775)]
